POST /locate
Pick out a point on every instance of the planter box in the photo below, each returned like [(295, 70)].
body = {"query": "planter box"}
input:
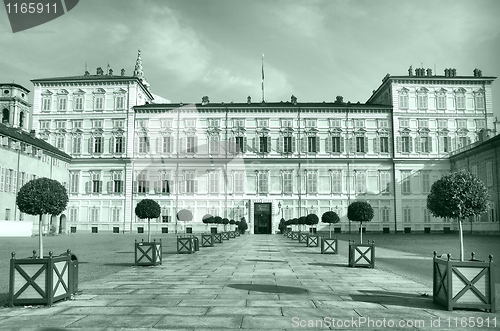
[(231, 234), (466, 284), (225, 235), (148, 253), (289, 234), (207, 240), (218, 238), (313, 240), (42, 281), (185, 245), (303, 237), (295, 235), (236, 233), (362, 255), (329, 245)]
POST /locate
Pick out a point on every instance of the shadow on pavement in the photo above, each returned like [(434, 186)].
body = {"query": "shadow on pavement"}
[(120, 264), (329, 264), (397, 299), (262, 260), (269, 288)]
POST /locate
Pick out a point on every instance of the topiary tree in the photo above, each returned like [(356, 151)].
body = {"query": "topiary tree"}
[(458, 195), (243, 226), (312, 219), (217, 221), (147, 208), (302, 221), (360, 211), (184, 215), (330, 217), (207, 219), (295, 222), (232, 222), (39, 197), (225, 221)]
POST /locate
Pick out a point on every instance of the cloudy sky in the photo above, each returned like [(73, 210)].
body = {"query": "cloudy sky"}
[(313, 49)]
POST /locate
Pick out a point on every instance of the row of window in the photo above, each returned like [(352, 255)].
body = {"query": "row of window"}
[(443, 123), (78, 124), (441, 100), (61, 100), (11, 180)]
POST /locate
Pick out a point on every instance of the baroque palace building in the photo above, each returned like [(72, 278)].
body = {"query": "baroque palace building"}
[(259, 160)]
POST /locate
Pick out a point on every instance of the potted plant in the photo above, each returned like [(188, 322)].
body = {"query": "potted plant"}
[(225, 234), (42, 279), (186, 244), (232, 233), (302, 235), (329, 245), (459, 283), (295, 234), (207, 239), (361, 254), (312, 238), (217, 236), (148, 253)]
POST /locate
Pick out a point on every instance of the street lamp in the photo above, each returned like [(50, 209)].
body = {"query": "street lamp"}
[(279, 206)]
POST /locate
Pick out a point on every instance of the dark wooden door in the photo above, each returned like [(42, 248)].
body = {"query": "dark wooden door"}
[(262, 218)]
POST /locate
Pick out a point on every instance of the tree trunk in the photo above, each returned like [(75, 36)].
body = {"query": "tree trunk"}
[(40, 240), (330, 230), (149, 231), (460, 232), (360, 232)]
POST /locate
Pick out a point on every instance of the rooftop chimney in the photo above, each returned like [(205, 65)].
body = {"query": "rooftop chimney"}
[(32, 133), (249, 99), (110, 72), (123, 72), (429, 72), (205, 100), (293, 99), (99, 71)]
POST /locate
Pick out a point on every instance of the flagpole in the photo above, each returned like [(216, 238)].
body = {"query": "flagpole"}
[(263, 78)]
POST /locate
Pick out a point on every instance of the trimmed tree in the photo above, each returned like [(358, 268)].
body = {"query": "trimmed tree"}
[(225, 221), (312, 219), (207, 219), (217, 221), (360, 211), (39, 197), (232, 222), (148, 208), (302, 221), (458, 195), (330, 217), (295, 222)]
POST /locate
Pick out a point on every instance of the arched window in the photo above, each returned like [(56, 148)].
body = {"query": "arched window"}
[(21, 119), (5, 116)]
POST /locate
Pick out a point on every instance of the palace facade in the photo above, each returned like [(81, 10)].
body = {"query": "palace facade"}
[(259, 160)]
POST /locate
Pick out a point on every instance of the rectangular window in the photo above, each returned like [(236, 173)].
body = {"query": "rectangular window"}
[(239, 123), (385, 181), (405, 144), (214, 145), (336, 181), (78, 103), (166, 144), (262, 182), (311, 144), (215, 123), (73, 214), (404, 123), (359, 123), (286, 123), (460, 102), (385, 215), (462, 142), (489, 173), (426, 184), (142, 182), (384, 144), (479, 101), (405, 182), (287, 182), (403, 101), (335, 123), (8, 179), (240, 141), (213, 186), (118, 124), (97, 124), (190, 182), (119, 148), (190, 123), (263, 144), (312, 182), (7, 214), (462, 124), (427, 216), (423, 123), (442, 124), (360, 182), (441, 102), (446, 144), (287, 145), (117, 182), (96, 183), (61, 104), (115, 215), (311, 123), (190, 145), (360, 144), (44, 125), (143, 144), (76, 147), (99, 103), (78, 124), (119, 102), (60, 124), (98, 144), (94, 214), (424, 144), (60, 142), (383, 124), (239, 180), (262, 123), (336, 148), (165, 186), (422, 101), (165, 123), (480, 124), (46, 104), (407, 214)]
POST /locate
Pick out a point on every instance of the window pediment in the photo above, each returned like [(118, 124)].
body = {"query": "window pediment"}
[(239, 131), (79, 92), (335, 131), (403, 90), (99, 91), (262, 131), (47, 93), (190, 132), (76, 131), (405, 132), (286, 131), (462, 131), (118, 131), (213, 131), (166, 132), (383, 131), (422, 90), (423, 131), (441, 91), (460, 90), (120, 91)]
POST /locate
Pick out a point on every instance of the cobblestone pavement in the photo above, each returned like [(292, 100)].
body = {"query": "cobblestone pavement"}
[(254, 282)]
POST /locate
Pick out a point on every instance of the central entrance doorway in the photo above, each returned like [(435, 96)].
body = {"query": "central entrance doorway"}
[(262, 218)]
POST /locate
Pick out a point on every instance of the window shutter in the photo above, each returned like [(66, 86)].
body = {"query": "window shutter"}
[(159, 145), (376, 145), (441, 144), (342, 146), (268, 144), (317, 145), (111, 149), (352, 144), (417, 145), (449, 144), (157, 186), (411, 144), (90, 145), (254, 145), (245, 144), (88, 187), (134, 186), (122, 186), (280, 144), (430, 145), (294, 143), (136, 145), (328, 144), (398, 144), (2, 178), (109, 187), (183, 145), (182, 184), (232, 145), (365, 144), (100, 186), (102, 145), (171, 144), (196, 144), (229, 182)]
